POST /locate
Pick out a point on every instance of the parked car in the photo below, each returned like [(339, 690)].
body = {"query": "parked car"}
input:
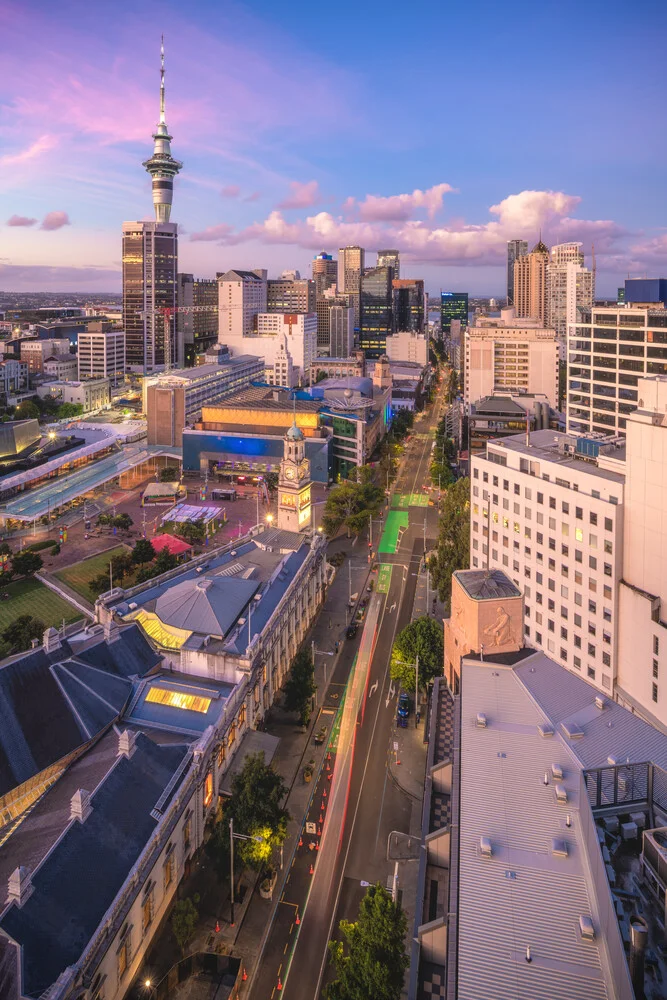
[(403, 710)]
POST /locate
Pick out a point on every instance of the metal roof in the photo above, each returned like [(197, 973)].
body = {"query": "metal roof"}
[(486, 585), (523, 895), (210, 605)]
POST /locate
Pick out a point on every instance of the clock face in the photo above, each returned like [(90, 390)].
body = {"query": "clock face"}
[(289, 473)]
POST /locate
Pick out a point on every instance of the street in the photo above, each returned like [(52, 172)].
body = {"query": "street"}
[(355, 804)]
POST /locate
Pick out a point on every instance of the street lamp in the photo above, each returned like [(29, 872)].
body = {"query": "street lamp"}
[(269, 519), (232, 837)]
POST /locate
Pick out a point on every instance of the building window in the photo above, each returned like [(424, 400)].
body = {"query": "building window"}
[(607, 569), (608, 526), (563, 654), (606, 659), (579, 513), (187, 830), (147, 910), (168, 868), (124, 953), (208, 789), (577, 641), (591, 673), (591, 628), (563, 632), (656, 645), (538, 637), (577, 662), (591, 649), (655, 669), (654, 692)]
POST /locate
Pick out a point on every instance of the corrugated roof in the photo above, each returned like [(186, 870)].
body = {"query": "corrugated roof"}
[(486, 585), (210, 605)]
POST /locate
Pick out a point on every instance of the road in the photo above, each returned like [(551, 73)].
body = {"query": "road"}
[(355, 804)]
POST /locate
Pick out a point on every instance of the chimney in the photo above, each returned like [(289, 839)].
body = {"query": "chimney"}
[(80, 807), (19, 886), (638, 942), (34, 643), (51, 640), (126, 743), (111, 630)]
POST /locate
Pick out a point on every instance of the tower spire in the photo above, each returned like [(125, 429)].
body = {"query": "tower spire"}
[(162, 166)]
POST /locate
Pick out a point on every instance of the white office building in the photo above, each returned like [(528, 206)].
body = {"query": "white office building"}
[(510, 355), (101, 352), (570, 286), (550, 513), (241, 296), (275, 333), (408, 346)]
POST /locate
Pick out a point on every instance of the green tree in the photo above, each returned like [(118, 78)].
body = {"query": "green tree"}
[(143, 551), (26, 563), (453, 549), (402, 423), (20, 633), (27, 410), (68, 410), (121, 566), (170, 474), (255, 806), (191, 532), (104, 519), (184, 919), (421, 638), (164, 562), (300, 686), (122, 521), (271, 480), (370, 961), (352, 503), (99, 584)]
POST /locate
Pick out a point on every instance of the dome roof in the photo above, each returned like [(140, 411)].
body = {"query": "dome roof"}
[(295, 433), (540, 247)]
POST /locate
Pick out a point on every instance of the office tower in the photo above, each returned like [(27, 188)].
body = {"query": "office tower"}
[(101, 352), (290, 295), (350, 270), (609, 350), (341, 330), (325, 273), (453, 305), (323, 308), (376, 314), (408, 304), (510, 355), (648, 291), (408, 346), (290, 275), (515, 248), (241, 296), (390, 258), (196, 331), (280, 333), (150, 263), (530, 283), (569, 287)]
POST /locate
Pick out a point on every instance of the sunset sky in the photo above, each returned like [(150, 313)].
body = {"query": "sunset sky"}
[(440, 128)]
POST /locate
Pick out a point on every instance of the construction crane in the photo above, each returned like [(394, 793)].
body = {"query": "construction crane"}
[(169, 311)]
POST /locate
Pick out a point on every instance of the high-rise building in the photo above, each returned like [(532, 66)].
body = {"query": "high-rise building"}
[(325, 303), (453, 305), (408, 304), (241, 296), (290, 295), (150, 263), (648, 291), (196, 331), (609, 350), (325, 272), (350, 271), (390, 258), (101, 352), (569, 287), (530, 283), (515, 248), (376, 311), (341, 331)]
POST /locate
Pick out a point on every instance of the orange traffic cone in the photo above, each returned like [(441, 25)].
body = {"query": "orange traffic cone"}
[(280, 985), (300, 841), (323, 806), (321, 818), (328, 756), (328, 766), (298, 919), (319, 831), (329, 776), (324, 792), (245, 975), (317, 845), (217, 927), (311, 870)]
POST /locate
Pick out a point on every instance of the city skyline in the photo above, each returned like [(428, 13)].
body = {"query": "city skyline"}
[(268, 177)]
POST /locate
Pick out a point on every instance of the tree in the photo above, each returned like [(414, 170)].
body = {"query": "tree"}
[(300, 686), (421, 638), (122, 565), (27, 410), (20, 633), (26, 563), (255, 806), (352, 503), (191, 532), (184, 919), (453, 550), (104, 519), (99, 584), (143, 551), (164, 562), (170, 474), (68, 410), (401, 423), (370, 961), (123, 521), (271, 480)]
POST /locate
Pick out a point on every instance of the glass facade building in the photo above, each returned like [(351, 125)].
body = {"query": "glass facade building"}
[(376, 310), (515, 248), (150, 262), (453, 305), (408, 305)]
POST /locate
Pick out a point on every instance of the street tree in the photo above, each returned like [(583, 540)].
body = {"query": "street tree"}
[(421, 638), (453, 549), (300, 686), (122, 565), (370, 960), (170, 474), (122, 521), (27, 409), (143, 551), (68, 410), (191, 532), (352, 503), (26, 563), (21, 631), (255, 806), (184, 919)]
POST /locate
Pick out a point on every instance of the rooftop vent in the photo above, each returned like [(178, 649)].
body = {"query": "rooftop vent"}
[(19, 886), (558, 848), (600, 702), (485, 847), (34, 643), (481, 721), (561, 794), (132, 605), (586, 928), (233, 552), (80, 807), (572, 730), (126, 743), (557, 771), (204, 584), (545, 730)]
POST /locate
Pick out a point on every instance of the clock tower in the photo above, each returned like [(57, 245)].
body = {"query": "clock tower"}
[(294, 511)]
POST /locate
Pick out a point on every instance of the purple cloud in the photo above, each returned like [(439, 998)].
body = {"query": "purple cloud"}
[(231, 191), (255, 196), (212, 233), (302, 196), (55, 220), (21, 220)]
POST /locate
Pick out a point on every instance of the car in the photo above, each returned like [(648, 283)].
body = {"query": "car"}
[(403, 710), (351, 630)]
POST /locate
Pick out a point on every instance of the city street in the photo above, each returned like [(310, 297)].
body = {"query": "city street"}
[(357, 801)]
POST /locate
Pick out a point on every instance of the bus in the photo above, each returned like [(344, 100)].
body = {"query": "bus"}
[(228, 494)]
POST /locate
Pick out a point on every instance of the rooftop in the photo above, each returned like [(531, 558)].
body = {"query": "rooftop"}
[(486, 585), (265, 397), (550, 446)]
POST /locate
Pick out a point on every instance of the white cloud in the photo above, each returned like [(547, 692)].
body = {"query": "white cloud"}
[(400, 207), (302, 196), (21, 220), (55, 220), (41, 145)]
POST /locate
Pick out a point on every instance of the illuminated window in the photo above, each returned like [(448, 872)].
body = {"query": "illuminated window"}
[(208, 789), (179, 699), (579, 535)]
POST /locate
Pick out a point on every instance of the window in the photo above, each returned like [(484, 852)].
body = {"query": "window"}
[(178, 699), (552, 503), (592, 562), (538, 578), (147, 910), (564, 570), (591, 649), (577, 641), (551, 625), (552, 565), (485, 477), (592, 607), (506, 484), (540, 497), (208, 789), (591, 628), (578, 555), (517, 489), (607, 569), (577, 662), (475, 473), (565, 507), (578, 534), (565, 550), (591, 673), (187, 828), (578, 578), (563, 632), (607, 592), (538, 598), (593, 517), (579, 514), (608, 547), (539, 538), (593, 541), (168, 868), (552, 544), (656, 645), (563, 653), (592, 585), (564, 612), (124, 953), (538, 637), (655, 669), (608, 525), (551, 605), (654, 692)]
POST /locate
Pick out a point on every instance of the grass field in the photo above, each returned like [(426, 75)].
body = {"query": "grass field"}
[(396, 519), (80, 574), (30, 597)]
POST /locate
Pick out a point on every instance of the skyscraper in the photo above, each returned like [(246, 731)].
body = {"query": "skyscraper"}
[(325, 272), (569, 287), (453, 305), (408, 304), (198, 330), (515, 248), (376, 311), (530, 283), (389, 258), (350, 270), (150, 262)]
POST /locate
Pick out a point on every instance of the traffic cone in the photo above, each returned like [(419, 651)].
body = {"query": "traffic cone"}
[(317, 845), (310, 872), (319, 831), (217, 927), (321, 818), (298, 919), (300, 841), (323, 806), (245, 975), (328, 766), (397, 760), (280, 985), (324, 792), (328, 756), (329, 776)]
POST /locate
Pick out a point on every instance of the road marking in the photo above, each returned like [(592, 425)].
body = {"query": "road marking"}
[(286, 944), (373, 688)]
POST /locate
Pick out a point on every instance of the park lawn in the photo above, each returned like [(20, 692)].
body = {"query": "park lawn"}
[(30, 597), (79, 575)]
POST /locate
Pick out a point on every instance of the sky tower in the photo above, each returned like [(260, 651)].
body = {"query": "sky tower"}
[(162, 166)]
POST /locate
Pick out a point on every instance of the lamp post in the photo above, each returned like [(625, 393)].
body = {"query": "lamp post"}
[(232, 837)]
